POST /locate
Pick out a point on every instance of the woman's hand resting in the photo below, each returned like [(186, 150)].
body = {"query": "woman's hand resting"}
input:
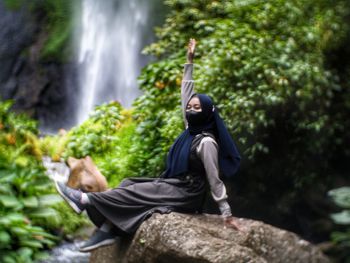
[(232, 222)]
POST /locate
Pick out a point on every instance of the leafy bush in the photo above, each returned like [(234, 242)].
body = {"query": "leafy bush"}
[(25, 190), (341, 196), (158, 119), (115, 164), (270, 66), (54, 146), (263, 62), (95, 135), (67, 222), (106, 136)]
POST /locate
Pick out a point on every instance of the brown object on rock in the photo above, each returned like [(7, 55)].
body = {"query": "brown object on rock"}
[(85, 175), (187, 238)]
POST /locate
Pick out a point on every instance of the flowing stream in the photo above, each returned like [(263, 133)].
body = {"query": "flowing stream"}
[(67, 253), (111, 35)]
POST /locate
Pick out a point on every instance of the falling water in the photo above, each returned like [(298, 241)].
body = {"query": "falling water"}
[(112, 35)]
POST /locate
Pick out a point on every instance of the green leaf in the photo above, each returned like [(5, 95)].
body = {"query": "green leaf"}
[(10, 258), (341, 196), (340, 237), (48, 242), (46, 213), (30, 202), (5, 239), (31, 243), (9, 201), (41, 256), (5, 189), (25, 253), (7, 178), (50, 199), (11, 219), (342, 218), (19, 231)]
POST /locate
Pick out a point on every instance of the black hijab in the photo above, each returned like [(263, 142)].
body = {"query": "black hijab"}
[(207, 120)]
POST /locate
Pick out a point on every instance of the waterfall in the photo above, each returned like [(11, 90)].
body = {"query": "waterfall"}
[(112, 34)]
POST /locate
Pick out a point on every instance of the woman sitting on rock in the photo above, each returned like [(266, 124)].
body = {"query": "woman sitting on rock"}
[(194, 160)]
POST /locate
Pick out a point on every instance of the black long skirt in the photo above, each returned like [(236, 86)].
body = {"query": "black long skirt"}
[(135, 199)]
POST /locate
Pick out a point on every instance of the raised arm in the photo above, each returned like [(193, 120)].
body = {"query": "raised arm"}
[(187, 85)]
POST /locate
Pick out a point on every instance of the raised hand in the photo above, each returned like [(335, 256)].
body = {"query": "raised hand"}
[(190, 50)]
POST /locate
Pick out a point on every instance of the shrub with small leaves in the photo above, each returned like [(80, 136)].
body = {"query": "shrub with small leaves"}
[(95, 135)]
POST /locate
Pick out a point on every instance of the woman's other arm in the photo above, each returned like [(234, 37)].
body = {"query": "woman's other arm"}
[(187, 85), (208, 152)]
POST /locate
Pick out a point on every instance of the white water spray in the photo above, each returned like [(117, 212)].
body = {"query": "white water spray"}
[(112, 35)]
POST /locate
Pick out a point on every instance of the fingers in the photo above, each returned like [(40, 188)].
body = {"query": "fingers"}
[(230, 222), (190, 50), (191, 45)]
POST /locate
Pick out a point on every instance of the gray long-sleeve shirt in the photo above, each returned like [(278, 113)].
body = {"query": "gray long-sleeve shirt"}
[(207, 149)]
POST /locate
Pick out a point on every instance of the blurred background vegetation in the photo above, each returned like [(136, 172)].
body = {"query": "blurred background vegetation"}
[(279, 72)]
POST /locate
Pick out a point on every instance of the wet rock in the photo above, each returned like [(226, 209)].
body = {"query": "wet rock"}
[(198, 238)]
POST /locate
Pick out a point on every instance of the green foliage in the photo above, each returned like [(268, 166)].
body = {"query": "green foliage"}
[(158, 119), (53, 146), (341, 196), (116, 164), (24, 187), (95, 135), (67, 221), (265, 65), (106, 136)]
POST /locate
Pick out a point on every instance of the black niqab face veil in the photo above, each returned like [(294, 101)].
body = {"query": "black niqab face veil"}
[(206, 120)]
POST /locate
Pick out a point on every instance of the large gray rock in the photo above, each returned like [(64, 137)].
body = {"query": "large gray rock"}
[(198, 238)]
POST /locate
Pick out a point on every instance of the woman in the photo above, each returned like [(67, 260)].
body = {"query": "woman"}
[(194, 160)]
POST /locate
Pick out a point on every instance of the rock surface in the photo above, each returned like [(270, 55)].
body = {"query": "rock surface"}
[(42, 89), (201, 238)]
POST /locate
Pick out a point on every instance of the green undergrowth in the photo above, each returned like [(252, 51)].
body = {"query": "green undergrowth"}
[(32, 219), (106, 136), (341, 196), (278, 73)]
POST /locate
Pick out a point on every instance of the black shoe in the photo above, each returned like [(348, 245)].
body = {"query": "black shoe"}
[(72, 196), (98, 239)]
